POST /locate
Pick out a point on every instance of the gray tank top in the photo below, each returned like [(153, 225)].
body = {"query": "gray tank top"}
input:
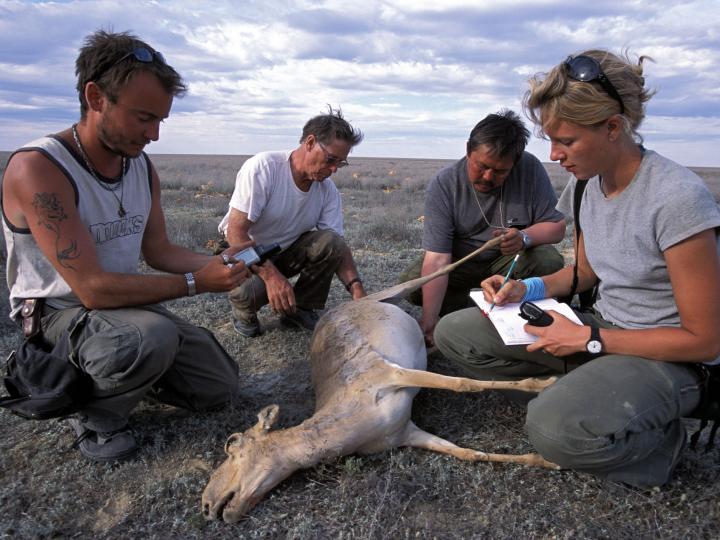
[(117, 240)]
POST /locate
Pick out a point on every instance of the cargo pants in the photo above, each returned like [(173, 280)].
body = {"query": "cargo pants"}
[(130, 352), (616, 416), (315, 256)]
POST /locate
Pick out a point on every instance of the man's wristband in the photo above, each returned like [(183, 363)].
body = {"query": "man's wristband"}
[(350, 283), (534, 289), (190, 279)]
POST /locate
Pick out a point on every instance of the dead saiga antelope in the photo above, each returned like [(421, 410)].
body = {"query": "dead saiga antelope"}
[(368, 361)]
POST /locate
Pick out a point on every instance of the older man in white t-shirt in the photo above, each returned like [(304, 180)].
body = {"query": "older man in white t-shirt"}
[(287, 198)]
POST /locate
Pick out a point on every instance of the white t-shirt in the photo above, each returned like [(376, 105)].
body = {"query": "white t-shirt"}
[(279, 210)]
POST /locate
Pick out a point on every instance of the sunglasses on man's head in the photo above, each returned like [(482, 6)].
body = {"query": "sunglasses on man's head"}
[(141, 54), (586, 69)]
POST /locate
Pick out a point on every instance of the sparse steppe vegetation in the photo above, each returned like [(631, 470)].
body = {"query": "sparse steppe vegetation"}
[(47, 491)]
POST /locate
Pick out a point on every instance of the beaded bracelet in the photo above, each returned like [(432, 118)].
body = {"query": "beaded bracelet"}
[(534, 289)]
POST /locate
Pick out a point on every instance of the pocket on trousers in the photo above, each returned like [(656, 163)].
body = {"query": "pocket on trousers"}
[(108, 349)]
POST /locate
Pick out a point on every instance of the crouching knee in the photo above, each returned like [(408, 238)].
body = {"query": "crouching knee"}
[(587, 441), (327, 244), (118, 353), (221, 388), (563, 436)]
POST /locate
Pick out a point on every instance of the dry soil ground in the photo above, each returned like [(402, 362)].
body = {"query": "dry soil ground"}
[(49, 491)]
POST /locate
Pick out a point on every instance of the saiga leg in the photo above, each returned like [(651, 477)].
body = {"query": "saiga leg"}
[(400, 377), (422, 439)]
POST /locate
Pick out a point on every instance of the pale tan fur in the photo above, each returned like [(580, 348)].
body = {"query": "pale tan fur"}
[(368, 361)]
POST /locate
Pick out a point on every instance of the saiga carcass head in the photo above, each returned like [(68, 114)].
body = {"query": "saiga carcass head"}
[(255, 464)]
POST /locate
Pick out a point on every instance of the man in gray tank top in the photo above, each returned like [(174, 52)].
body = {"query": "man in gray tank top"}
[(79, 209)]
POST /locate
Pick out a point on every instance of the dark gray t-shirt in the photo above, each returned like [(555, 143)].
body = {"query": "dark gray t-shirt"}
[(454, 222), (625, 237)]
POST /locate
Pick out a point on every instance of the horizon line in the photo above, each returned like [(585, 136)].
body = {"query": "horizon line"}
[(363, 157)]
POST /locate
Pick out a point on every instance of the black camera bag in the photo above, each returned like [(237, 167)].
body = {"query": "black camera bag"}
[(709, 408), (42, 382)]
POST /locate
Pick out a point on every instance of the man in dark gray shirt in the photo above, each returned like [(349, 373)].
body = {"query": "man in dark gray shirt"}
[(497, 189)]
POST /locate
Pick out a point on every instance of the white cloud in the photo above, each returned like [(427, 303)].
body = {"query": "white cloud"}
[(413, 75), (16, 106)]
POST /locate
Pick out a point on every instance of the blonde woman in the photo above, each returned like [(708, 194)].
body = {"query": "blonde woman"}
[(650, 241)]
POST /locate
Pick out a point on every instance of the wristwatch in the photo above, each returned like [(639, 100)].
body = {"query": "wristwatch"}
[(526, 240), (594, 345)]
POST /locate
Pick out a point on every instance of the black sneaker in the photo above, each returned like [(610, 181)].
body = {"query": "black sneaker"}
[(302, 318), (118, 445), (249, 328)]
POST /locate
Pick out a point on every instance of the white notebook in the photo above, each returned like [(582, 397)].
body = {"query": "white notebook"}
[(507, 318)]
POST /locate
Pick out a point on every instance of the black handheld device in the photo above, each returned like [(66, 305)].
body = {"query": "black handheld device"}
[(257, 254), (534, 315)]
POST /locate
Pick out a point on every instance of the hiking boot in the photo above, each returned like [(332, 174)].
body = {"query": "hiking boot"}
[(104, 446), (249, 327), (302, 318)]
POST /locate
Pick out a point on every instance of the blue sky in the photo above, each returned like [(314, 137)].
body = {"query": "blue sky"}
[(414, 76)]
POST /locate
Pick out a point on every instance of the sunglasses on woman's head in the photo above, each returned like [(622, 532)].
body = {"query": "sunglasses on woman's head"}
[(586, 69)]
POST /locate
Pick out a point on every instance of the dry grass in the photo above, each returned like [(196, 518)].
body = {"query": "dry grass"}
[(46, 491)]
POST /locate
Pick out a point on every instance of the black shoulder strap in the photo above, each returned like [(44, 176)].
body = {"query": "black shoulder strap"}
[(587, 298), (580, 186)]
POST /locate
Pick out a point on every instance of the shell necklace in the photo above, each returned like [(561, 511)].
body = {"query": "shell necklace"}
[(119, 185)]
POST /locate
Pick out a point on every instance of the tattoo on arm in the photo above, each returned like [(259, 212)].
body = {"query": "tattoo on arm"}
[(50, 215)]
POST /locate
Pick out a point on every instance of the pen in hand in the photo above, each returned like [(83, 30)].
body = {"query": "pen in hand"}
[(507, 278)]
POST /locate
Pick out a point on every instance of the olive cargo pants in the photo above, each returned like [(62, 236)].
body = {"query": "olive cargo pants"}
[(129, 352), (616, 416), (315, 255)]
